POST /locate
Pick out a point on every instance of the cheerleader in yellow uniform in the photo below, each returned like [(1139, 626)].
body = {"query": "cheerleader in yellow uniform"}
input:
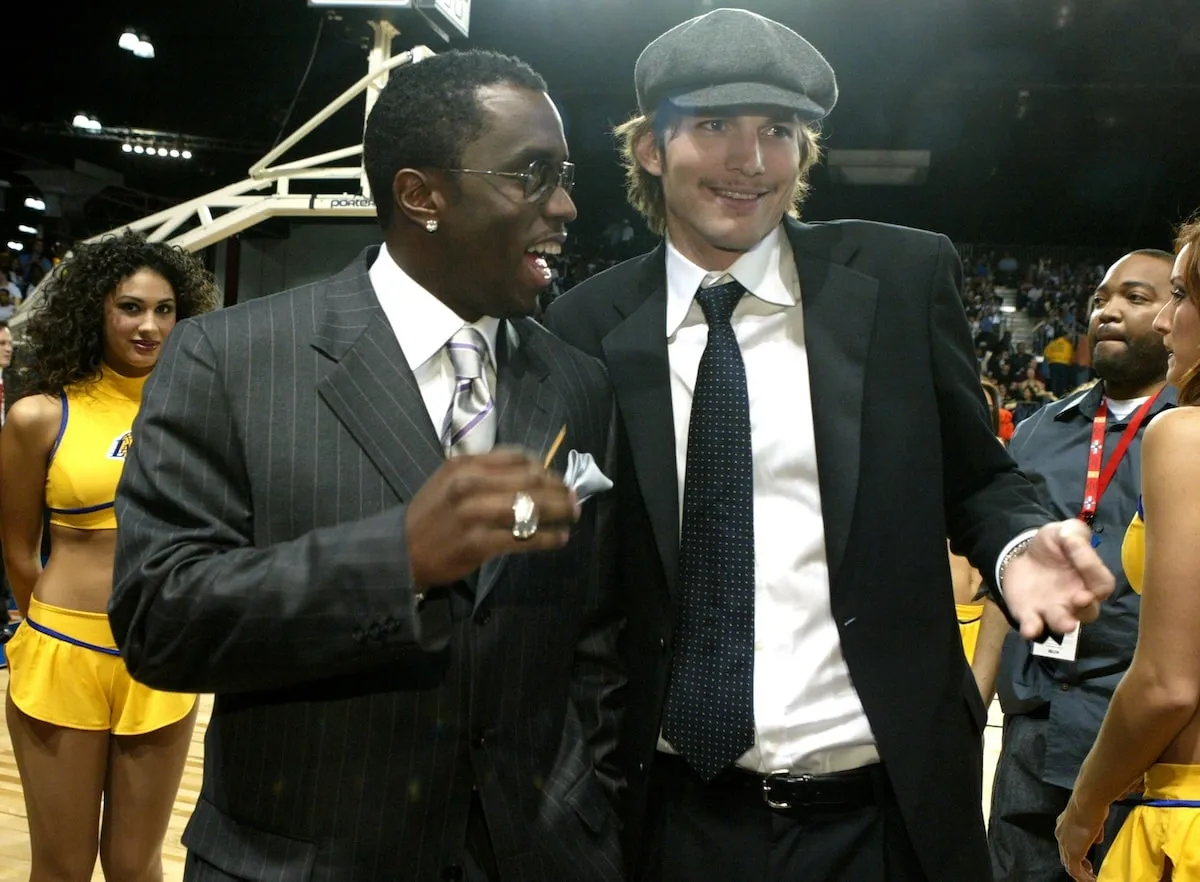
[(100, 756), (966, 581), (1150, 741)]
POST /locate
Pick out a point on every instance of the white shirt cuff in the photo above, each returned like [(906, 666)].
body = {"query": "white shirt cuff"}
[(1017, 540)]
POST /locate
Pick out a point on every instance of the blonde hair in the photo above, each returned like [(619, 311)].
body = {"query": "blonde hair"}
[(1189, 235), (644, 191)]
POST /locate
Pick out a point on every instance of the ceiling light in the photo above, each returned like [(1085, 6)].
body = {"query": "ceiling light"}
[(83, 121), (144, 48), (156, 149), (877, 168), (16, 246), (25, 228), (128, 40), (35, 203)]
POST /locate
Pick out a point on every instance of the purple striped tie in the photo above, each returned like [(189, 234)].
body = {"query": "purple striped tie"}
[(470, 425)]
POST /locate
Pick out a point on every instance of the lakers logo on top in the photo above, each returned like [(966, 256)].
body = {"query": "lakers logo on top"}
[(120, 446)]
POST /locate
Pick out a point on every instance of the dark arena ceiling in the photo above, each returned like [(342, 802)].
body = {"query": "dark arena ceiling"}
[(1047, 121)]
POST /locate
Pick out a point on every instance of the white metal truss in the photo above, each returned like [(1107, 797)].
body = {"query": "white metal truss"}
[(266, 193)]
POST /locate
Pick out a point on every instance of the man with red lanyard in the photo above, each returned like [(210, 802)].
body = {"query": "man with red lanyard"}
[(1084, 452)]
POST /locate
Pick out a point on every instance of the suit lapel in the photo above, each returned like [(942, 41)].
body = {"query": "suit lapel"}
[(371, 389), (839, 313), (529, 407), (636, 354)]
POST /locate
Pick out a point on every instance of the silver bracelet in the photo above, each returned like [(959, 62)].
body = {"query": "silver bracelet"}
[(1013, 553)]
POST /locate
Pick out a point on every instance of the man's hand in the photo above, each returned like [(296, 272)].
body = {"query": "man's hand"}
[(463, 516), (1076, 831), (1058, 582)]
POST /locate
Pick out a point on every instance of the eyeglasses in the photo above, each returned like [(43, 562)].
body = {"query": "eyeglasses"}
[(542, 177)]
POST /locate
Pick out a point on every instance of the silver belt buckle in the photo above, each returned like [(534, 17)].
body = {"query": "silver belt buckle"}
[(766, 786)]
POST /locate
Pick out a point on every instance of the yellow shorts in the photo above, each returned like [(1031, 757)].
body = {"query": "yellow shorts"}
[(970, 616), (1152, 837), (77, 687)]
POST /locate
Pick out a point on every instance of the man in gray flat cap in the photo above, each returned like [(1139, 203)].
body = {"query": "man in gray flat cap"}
[(802, 427)]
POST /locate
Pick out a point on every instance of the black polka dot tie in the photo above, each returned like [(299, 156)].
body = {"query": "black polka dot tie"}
[(710, 698)]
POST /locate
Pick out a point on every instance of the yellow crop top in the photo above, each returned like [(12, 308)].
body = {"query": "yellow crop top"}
[(89, 452), (1133, 550)]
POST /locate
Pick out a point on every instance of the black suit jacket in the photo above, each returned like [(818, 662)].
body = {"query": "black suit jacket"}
[(905, 456), (262, 557)]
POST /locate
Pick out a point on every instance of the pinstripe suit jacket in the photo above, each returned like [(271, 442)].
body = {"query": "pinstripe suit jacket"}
[(262, 557)]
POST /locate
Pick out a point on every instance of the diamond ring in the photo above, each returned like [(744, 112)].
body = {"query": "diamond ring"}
[(525, 516)]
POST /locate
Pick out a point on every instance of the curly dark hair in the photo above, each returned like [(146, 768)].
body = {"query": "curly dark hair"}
[(428, 112), (63, 339)]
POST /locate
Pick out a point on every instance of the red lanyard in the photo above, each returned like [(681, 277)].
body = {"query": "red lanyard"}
[(1097, 483)]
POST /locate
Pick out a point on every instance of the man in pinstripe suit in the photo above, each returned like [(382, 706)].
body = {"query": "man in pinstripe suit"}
[(415, 675)]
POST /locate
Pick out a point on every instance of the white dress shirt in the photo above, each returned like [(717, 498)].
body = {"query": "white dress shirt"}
[(423, 325), (808, 717)]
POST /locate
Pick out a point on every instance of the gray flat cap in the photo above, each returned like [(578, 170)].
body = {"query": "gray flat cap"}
[(732, 57)]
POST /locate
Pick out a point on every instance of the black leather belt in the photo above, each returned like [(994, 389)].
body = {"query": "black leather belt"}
[(790, 793), (783, 791)]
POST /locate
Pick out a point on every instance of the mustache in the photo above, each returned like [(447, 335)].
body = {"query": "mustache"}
[(1144, 343), (1144, 359)]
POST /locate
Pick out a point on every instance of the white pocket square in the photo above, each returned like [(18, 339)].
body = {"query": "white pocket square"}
[(584, 476)]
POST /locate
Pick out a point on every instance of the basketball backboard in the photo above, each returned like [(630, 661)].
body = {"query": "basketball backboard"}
[(447, 17)]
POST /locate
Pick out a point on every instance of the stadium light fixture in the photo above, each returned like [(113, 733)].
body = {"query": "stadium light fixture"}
[(138, 44)]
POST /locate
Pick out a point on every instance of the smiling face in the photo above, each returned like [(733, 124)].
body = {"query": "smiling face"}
[(138, 316), (727, 181), (1179, 323), (490, 237), (1127, 352)]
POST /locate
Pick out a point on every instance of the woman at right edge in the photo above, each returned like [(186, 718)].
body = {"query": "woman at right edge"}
[(1150, 740)]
